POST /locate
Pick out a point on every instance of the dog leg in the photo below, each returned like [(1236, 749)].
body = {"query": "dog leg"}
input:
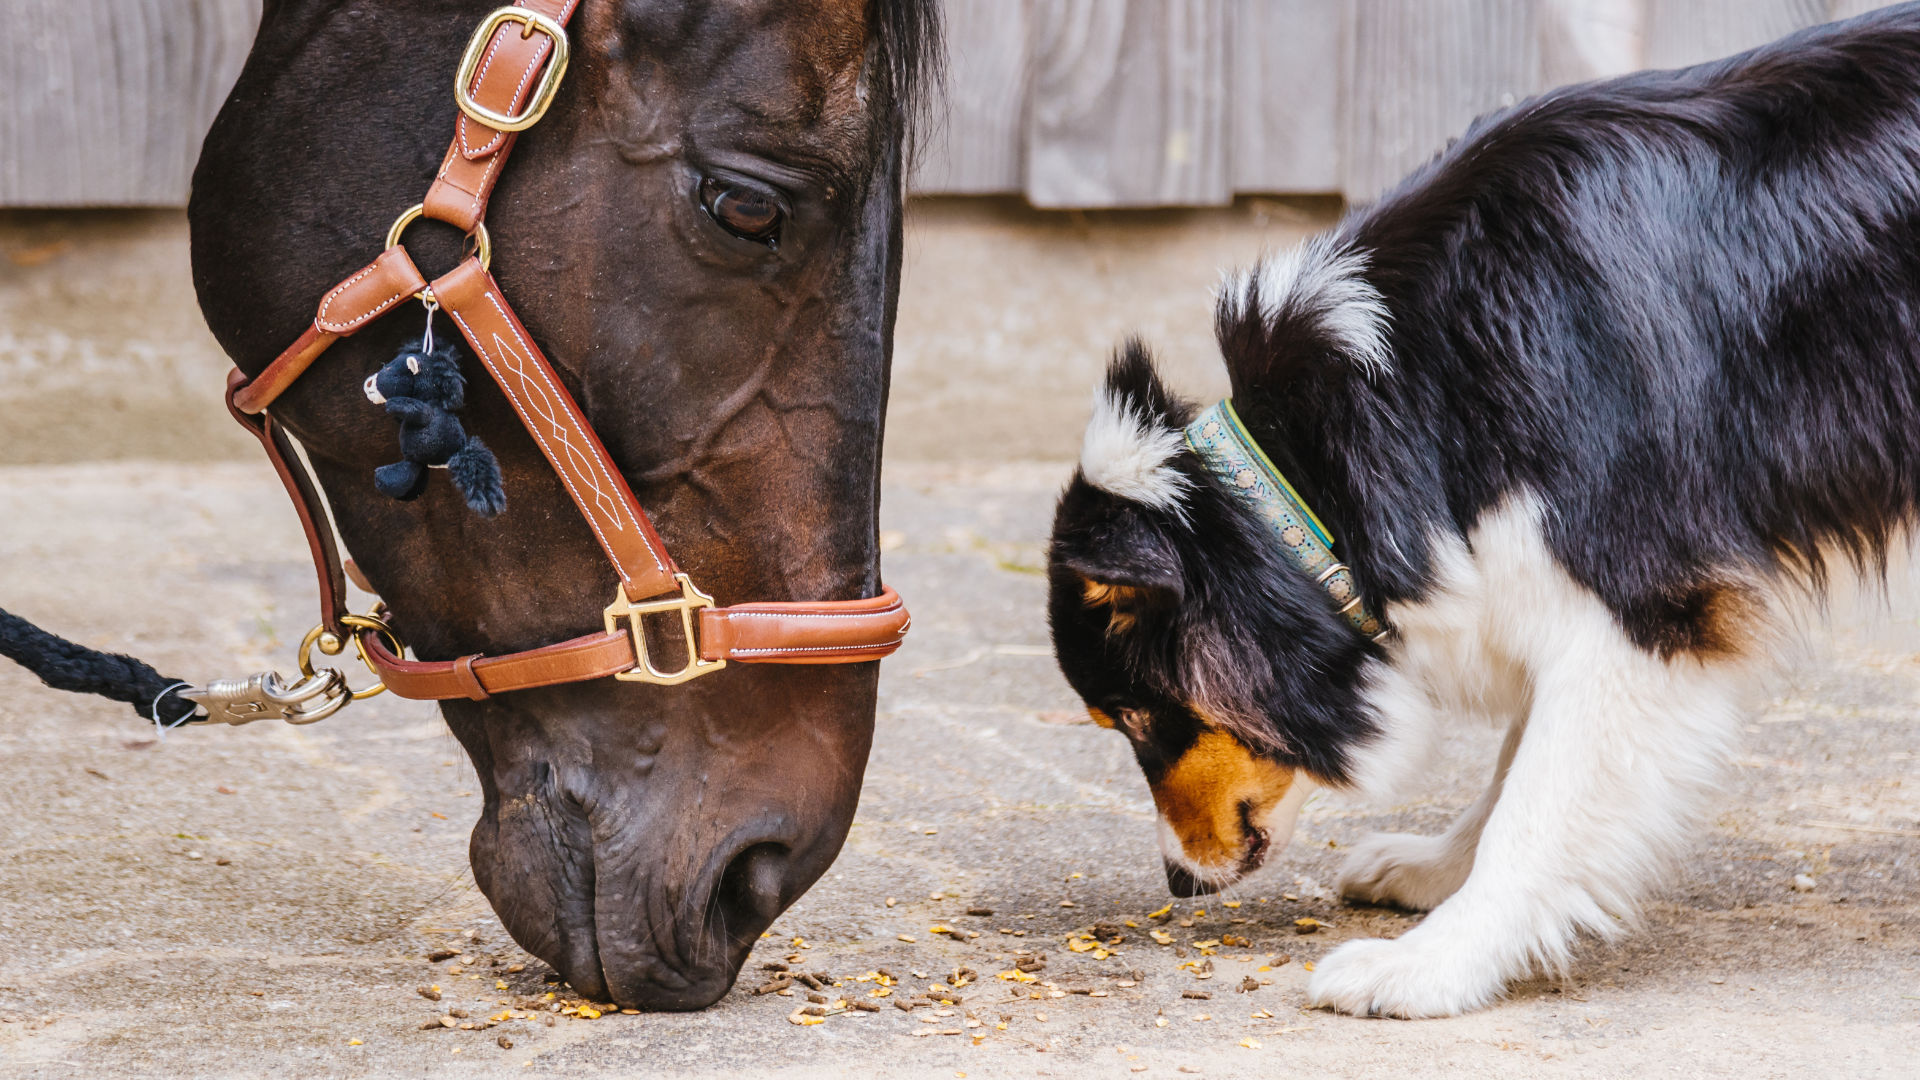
[(1618, 753), (1419, 872)]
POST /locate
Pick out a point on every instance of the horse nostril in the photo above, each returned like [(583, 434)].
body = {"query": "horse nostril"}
[(751, 890), (1183, 884)]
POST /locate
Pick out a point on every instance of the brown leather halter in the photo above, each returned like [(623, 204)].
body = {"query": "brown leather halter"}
[(508, 77)]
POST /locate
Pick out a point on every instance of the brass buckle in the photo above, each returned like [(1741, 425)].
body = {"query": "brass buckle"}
[(689, 600), (549, 80)]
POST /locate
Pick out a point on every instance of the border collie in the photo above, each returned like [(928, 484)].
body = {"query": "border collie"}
[(1583, 406)]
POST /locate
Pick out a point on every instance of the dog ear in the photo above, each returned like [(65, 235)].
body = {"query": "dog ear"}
[(1114, 543), (1120, 553), (1133, 377), (1135, 436)]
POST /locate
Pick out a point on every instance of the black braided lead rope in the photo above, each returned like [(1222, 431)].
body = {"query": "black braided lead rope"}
[(64, 665)]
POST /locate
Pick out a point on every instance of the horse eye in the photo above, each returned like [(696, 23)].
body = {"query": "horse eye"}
[(742, 211)]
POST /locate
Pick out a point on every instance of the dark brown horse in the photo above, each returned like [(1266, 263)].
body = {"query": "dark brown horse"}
[(704, 236)]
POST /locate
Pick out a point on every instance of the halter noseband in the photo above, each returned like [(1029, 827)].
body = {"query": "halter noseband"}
[(499, 97)]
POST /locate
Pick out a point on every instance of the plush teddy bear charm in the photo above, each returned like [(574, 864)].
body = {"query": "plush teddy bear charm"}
[(422, 388)]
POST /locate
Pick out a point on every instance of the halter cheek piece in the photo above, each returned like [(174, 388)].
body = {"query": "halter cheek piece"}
[(499, 96)]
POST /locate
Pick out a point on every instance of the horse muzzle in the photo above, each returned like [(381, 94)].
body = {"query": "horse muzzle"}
[(647, 926), (642, 854)]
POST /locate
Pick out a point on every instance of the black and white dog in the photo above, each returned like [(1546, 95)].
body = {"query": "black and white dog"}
[(1586, 404)]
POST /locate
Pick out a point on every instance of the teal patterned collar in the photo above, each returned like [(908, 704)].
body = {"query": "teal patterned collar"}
[(1236, 460)]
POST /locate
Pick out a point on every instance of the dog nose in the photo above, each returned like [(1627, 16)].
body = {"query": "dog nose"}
[(1183, 884)]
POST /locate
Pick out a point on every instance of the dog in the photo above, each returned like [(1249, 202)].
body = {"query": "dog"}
[(1586, 409)]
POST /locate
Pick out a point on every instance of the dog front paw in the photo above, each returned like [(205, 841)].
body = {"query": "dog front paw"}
[(1414, 872), (1402, 978)]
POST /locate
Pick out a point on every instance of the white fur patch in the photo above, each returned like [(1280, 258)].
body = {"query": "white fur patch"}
[(1126, 454), (1319, 280), (1611, 753)]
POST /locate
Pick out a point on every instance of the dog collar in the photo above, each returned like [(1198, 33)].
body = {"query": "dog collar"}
[(1222, 442)]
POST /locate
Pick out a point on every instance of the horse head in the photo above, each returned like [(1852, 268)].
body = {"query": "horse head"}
[(704, 234)]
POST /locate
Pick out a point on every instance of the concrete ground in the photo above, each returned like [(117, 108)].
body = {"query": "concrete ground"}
[(263, 900)]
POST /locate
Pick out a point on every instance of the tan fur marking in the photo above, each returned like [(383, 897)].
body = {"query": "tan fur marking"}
[(1099, 592), (1729, 624), (1100, 718), (1711, 622), (1117, 597), (1200, 796)]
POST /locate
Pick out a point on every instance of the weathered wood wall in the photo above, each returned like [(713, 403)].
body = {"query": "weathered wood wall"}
[(1127, 103), (1415, 73), (1070, 102), (1292, 143), (104, 102), (1161, 102)]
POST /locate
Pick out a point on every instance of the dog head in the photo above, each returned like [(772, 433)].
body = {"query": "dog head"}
[(1181, 624)]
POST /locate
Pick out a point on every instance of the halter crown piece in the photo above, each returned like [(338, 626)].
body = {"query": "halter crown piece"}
[(1222, 442)]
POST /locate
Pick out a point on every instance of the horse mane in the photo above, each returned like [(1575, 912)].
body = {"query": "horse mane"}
[(911, 60)]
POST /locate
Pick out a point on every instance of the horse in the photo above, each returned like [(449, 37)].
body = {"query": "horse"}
[(704, 233)]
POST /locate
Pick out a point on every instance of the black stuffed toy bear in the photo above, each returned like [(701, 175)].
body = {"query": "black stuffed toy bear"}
[(422, 389)]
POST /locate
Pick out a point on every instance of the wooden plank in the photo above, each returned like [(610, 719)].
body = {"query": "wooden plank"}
[(107, 100), (1683, 32), (1284, 111), (1847, 9), (1289, 113), (980, 146), (1418, 72), (1582, 40), (1127, 104)]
